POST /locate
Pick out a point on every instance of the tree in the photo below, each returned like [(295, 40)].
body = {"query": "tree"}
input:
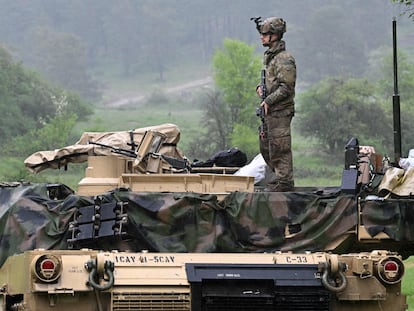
[(229, 111), (28, 103), (215, 126), (61, 57), (409, 6), (131, 37), (385, 80), (236, 72), (336, 109), (53, 135), (331, 53), (125, 37), (159, 39), (405, 77)]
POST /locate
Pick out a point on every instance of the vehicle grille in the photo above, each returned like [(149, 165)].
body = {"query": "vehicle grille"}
[(150, 301), (309, 299), (237, 303), (284, 287)]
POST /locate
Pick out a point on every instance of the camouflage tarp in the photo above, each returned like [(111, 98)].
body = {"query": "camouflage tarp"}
[(192, 222), (80, 151), (30, 218), (395, 217)]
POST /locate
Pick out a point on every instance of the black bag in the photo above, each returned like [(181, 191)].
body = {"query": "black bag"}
[(232, 157)]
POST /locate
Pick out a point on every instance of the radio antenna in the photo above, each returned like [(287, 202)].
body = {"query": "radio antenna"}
[(396, 98)]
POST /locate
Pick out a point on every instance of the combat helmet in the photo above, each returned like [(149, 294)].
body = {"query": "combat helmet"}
[(273, 25)]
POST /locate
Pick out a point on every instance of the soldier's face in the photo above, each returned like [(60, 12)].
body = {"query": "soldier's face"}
[(266, 38)]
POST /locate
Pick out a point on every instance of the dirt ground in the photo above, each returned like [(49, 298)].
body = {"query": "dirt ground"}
[(173, 90)]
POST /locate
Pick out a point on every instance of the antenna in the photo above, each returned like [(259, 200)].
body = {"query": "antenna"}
[(396, 98)]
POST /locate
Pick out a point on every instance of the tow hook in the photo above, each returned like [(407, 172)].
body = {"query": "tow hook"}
[(333, 276), (95, 274)]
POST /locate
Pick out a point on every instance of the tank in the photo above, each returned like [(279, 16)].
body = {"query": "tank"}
[(146, 231), (91, 280)]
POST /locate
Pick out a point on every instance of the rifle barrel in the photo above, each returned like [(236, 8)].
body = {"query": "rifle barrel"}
[(125, 152)]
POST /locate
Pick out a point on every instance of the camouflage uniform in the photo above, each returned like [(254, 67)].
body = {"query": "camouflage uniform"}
[(280, 85)]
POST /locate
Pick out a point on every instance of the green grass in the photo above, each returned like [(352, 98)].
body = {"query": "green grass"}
[(12, 169), (311, 166), (186, 117), (408, 282)]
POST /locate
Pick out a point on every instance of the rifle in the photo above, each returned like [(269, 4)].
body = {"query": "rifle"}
[(175, 163), (260, 112), (125, 152)]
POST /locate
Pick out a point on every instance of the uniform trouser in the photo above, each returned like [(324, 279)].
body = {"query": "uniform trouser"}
[(276, 146)]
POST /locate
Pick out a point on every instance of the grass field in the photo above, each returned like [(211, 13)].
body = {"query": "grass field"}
[(408, 282)]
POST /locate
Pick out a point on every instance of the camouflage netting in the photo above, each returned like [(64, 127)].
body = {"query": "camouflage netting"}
[(191, 222), (395, 217)]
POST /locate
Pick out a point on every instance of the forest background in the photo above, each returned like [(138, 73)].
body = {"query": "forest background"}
[(102, 65)]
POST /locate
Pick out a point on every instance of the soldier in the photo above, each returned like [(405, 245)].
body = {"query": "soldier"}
[(278, 105)]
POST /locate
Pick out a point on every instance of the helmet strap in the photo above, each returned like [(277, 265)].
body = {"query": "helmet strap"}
[(273, 38)]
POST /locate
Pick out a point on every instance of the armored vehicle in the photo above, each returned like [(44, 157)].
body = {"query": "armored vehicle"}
[(146, 231), (92, 280)]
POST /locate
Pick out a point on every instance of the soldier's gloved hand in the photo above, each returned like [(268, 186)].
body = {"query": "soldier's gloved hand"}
[(259, 91), (265, 107)]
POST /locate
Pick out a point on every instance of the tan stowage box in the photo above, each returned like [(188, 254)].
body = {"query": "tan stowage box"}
[(105, 173), (201, 183)]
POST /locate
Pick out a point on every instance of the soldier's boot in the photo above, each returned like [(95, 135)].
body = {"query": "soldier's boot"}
[(280, 186)]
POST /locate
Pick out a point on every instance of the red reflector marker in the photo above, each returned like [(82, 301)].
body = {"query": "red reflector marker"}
[(48, 265), (390, 266)]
